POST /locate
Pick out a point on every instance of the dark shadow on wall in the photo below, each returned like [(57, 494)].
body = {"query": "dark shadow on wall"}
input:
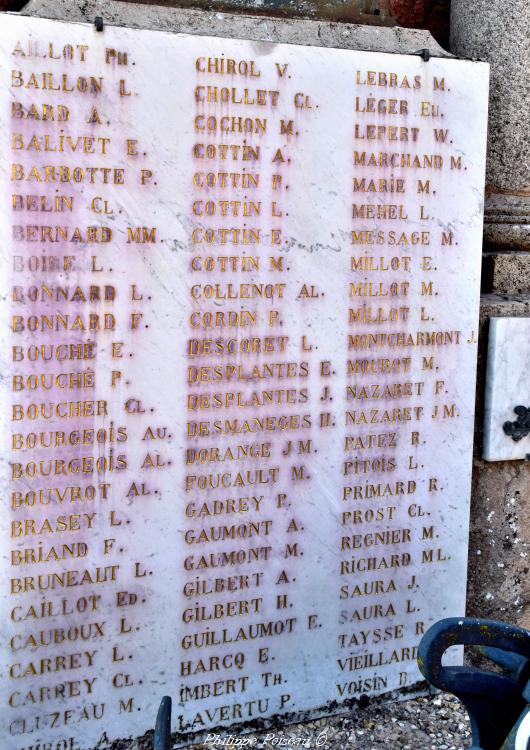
[(12, 5), (424, 14)]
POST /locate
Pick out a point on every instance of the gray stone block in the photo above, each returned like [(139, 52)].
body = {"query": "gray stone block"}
[(507, 273), (259, 28)]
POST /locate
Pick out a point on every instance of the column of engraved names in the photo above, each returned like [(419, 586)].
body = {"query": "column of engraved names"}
[(68, 438), (245, 397), (395, 383), (147, 435)]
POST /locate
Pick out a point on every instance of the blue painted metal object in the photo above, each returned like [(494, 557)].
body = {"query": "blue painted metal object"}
[(497, 703), (163, 725)]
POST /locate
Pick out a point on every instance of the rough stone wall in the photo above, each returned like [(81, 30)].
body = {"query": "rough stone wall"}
[(244, 26), (12, 5), (432, 15), (499, 542)]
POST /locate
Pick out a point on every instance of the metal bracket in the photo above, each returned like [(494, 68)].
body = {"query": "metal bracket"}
[(521, 427), (98, 23), (425, 54)]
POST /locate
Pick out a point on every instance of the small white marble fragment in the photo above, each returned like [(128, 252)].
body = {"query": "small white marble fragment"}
[(507, 387)]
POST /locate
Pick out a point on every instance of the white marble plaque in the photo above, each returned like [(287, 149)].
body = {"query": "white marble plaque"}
[(506, 434), (240, 289)]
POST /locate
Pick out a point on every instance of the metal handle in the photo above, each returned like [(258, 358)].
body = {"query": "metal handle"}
[(163, 725), (494, 701)]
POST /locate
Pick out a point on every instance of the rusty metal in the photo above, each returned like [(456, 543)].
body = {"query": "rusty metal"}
[(521, 427)]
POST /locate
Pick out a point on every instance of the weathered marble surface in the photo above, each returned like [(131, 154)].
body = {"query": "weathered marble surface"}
[(507, 386), (142, 537)]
